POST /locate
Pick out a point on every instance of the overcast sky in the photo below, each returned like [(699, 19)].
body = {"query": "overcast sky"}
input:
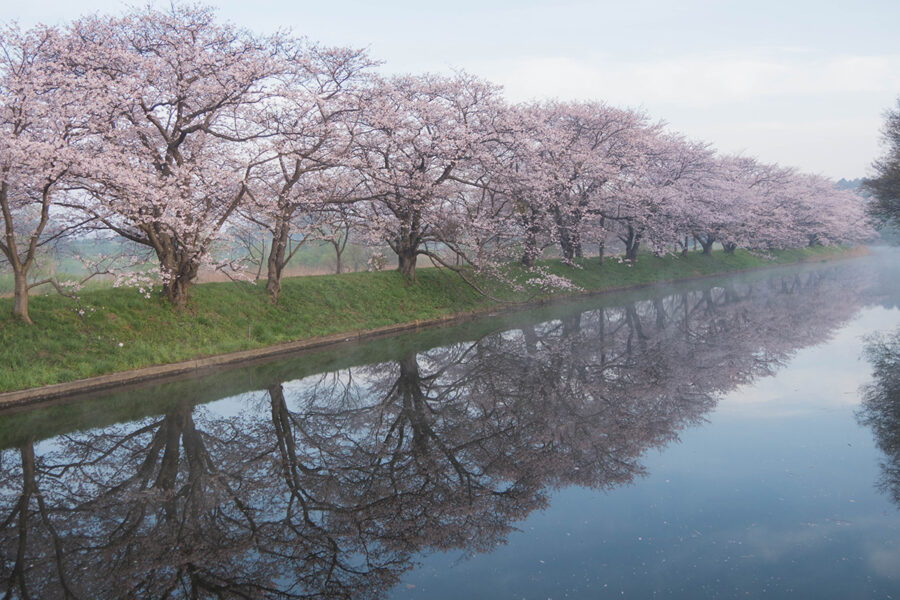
[(801, 83)]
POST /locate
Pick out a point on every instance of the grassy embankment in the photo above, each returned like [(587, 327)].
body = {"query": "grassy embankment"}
[(120, 330)]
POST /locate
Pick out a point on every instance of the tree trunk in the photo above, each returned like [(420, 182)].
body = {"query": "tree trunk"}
[(409, 389), (406, 245), (601, 246), (339, 246), (632, 243), (287, 446), (730, 247), (631, 251), (275, 263), (563, 235), (179, 264), (571, 325), (273, 285), (8, 247), (16, 577), (660, 311), (20, 298), (568, 243), (182, 271), (531, 339), (531, 251), (176, 291), (705, 242), (407, 264)]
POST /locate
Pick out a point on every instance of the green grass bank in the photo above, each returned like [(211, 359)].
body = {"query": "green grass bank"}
[(111, 330)]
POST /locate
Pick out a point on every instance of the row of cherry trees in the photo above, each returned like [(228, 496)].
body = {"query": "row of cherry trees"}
[(172, 130)]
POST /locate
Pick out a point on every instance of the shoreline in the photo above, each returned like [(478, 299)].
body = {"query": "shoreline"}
[(206, 364)]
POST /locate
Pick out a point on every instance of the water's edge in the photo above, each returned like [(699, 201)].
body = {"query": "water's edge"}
[(173, 371)]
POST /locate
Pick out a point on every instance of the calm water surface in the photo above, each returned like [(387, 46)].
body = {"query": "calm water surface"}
[(703, 441)]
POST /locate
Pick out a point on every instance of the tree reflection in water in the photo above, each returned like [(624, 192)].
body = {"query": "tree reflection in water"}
[(881, 407), (330, 485)]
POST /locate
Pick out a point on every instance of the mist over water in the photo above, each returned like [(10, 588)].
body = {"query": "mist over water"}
[(703, 440)]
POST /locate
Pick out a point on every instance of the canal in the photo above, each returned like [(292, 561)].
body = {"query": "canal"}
[(730, 437)]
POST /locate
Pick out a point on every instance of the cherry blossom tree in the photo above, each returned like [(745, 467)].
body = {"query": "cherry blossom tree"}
[(557, 169), (415, 134), (789, 209), (722, 202), (647, 202), (507, 200), (303, 164), (42, 126), (590, 144), (179, 147), (821, 214), (765, 207), (334, 227)]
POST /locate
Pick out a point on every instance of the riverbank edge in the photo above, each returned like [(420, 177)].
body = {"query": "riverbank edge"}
[(100, 383)]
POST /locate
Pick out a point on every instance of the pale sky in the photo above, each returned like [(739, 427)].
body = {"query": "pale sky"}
[(802, 83)]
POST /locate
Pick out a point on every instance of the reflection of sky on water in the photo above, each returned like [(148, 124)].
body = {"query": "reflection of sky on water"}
[(823, 377), (774, 497)]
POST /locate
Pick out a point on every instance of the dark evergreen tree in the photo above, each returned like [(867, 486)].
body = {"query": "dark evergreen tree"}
[(885, 185)]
